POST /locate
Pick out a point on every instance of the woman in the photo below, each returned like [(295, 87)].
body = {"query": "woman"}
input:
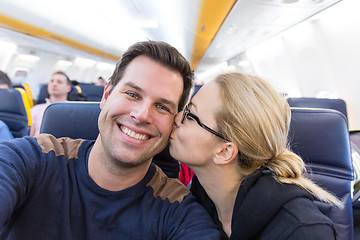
[(233, 135)]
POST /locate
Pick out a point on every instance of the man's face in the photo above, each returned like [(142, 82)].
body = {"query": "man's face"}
[(58, 86), (137, 117)]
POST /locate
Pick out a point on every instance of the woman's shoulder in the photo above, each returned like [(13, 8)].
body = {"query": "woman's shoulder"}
[(300, 219)]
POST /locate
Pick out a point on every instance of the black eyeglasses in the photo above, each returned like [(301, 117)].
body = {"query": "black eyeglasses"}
[(187, 114)]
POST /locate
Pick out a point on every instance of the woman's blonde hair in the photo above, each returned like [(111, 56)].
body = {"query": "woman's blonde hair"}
[(256, 118)]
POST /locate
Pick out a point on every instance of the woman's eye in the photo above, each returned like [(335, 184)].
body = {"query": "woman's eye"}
[(190, 118)]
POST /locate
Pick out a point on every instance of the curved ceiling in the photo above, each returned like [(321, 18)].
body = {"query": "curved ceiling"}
[(206, 32)]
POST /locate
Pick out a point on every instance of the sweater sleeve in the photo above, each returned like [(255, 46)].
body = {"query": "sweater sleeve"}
[(313, 232), (19, 164), (191, 221)]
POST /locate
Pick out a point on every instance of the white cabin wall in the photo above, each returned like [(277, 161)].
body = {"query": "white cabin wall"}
[(317, 58), (39, 72)]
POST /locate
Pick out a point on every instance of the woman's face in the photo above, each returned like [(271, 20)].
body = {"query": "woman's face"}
[(189, 142)]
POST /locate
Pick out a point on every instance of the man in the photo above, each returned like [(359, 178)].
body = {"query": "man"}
[(100, 82), (5, 81), (58, 89), (76, 189)]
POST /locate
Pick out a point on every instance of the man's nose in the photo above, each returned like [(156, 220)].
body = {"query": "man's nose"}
[(142, 113)]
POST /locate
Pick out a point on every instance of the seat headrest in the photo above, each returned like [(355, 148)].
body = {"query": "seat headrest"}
[(93, 92), (71, 119), (321, 138), (335, 104), (13, 112)]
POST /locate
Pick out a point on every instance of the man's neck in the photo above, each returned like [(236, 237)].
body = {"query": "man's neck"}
[(110, 176), (57, 99)]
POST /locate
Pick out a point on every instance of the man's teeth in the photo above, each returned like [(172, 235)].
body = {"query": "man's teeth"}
[(133, 134)]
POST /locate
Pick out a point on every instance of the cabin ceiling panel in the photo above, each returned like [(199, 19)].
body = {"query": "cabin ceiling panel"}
[(253, 21)]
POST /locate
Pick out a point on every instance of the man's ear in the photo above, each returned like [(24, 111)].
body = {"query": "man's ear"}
[(105, 95), (226, 153)]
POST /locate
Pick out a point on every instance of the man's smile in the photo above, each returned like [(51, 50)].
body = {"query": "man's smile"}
[(131, 133)]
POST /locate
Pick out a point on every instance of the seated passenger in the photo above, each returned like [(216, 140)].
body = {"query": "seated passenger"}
[(233, 134), (5, 81), (58, 88), (108, 189), (5, 133), (100, 82)]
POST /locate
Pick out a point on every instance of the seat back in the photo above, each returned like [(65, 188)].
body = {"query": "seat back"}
[(71, 119), (80, 120), (13, 112), (321, 138), (335, 104), (93, 92), (73, 95)]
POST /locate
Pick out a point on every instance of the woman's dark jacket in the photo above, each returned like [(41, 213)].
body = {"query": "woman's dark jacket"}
[(267, 209)]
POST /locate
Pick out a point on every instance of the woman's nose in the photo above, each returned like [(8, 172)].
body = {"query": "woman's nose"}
[(177, 121)]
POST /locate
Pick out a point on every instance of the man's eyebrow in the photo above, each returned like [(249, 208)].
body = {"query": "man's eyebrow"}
[(132, 85), (168, 102)]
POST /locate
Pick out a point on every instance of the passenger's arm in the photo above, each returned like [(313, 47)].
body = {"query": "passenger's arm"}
[(17, 174), (191, 221)]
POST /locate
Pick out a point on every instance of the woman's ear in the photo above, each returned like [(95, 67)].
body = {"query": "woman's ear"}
[(105, 95), (226, 153)]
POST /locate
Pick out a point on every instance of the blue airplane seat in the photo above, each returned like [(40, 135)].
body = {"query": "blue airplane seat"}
[(80, 120), (321, 138), (71, 119), (43, 93), (336, 104), (13, 112), (94, 93), (73, 95)]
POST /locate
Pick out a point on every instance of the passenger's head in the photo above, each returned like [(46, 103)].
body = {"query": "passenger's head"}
[(161, 53), (241, 119), (100, 82), (59, 85), (5, 81), (255, 117), (246, 111), (139, 104)]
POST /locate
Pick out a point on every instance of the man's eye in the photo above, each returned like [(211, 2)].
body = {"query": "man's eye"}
[(133, 95), (162, 107)]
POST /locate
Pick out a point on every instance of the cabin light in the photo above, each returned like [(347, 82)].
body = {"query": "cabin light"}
[(104, 65), (84, 62), (28, 58), (146, 24), (7, 50), (7, 46), (64, 63), (289, 1), (244, 63)]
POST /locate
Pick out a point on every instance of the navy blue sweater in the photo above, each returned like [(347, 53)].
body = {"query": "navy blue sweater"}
[(46, 193)]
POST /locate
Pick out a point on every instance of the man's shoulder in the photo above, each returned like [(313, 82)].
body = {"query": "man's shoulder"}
[(40, 106), (167, 188), (60, 146)]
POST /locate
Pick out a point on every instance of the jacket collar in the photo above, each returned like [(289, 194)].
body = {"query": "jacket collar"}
[(259, 199)]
